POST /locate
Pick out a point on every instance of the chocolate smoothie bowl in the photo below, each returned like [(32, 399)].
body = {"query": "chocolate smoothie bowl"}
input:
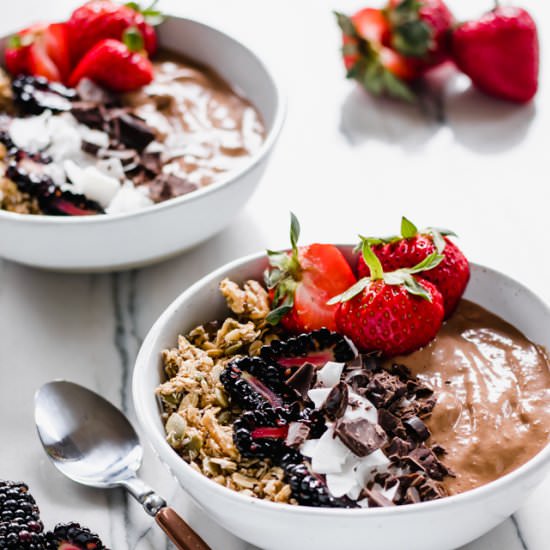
[(171, 148), (312, 426)]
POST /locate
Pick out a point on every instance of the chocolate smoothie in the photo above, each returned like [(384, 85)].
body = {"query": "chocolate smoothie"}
[(493, 395), (205, 127)]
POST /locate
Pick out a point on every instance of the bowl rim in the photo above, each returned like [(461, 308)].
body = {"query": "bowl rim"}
[(147, 420), (226, 180)]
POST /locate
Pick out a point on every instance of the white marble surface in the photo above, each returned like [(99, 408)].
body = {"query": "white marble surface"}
[(345, 163)]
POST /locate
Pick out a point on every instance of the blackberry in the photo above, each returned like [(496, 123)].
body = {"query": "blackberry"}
[(315, 347), (74, 535), (34, 95), (25, 171), (20, 524), (315, 419), (311, 490), (251, 383), (261, 433)]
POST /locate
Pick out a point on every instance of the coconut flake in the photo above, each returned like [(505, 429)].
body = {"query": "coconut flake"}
[(92, 183), (329, 455), (129, 199), (318, 396), (330, 374), (308, 447), (31, 133), (360, 407)]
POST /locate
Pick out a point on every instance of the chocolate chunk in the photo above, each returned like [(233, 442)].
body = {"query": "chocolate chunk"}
[(298, 432), (151, 163), (398, 447), (133, 131), (439, 450), (167, 186), (358, 379), (90, 114), (302, 379), (391, 424), (412, 496), (376, 498), (90, 148), (372, 362), (337, 401), (360, 436), (403, 372), (417, 428)]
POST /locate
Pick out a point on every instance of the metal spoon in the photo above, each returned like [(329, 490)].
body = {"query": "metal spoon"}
[(93, 443)]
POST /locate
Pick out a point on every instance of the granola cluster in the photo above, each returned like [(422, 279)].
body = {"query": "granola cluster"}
[(197, 414)]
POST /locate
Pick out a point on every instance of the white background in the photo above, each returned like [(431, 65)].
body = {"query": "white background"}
[(345, 164)]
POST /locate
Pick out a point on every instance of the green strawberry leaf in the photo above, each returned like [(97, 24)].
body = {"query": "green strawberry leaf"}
[(437, 237), (133, 39), (275, 315), (272, 278), (429, 262), (408, 229), (371, 259), (351, 292), (415, 287), (14, 42), (397, 88), (346, 24), (294, 231), (411, 35)]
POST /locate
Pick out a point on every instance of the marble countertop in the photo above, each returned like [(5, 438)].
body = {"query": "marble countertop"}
[(346, 163)]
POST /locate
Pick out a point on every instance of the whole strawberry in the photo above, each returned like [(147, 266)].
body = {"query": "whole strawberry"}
[(394, 312), (100, 19), (420, 29), (380, 69), (500, 53), (301, 281), (119, 66), (450, 276)]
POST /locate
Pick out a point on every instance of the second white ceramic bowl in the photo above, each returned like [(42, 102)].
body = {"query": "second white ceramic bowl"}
[(438, 525), (118, 241)]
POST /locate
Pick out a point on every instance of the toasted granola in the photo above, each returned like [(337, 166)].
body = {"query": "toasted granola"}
[(196, 410)]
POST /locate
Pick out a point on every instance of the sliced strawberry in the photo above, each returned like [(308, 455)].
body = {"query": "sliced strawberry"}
[(270, 432), (303, 280), (40, 50), (115, 65)]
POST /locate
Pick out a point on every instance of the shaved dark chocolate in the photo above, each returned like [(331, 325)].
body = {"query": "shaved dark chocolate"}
[(167, 186), (151, 163), (417, 428), (391, 424), (337, 401), (360, 436), (425, 459), (376, 498), (90, 114), (302, 380), (384, 389)]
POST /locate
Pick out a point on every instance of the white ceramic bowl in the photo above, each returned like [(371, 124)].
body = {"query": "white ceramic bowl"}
[(437, 525), (98, 243)]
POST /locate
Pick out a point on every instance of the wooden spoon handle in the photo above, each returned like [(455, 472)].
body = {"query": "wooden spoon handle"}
[(178, 531)]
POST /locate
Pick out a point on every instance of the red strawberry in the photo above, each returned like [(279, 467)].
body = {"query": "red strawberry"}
[(100, 19), (369, 60), (41, 50), (394, 312), (500, 53), (405, 251), (420, 29), (302, 281), (115, 65)]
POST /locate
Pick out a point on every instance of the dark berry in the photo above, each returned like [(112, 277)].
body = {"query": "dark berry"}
[(75, 535), (315, 347), (311, 490), (34, 95), (20, 524), (26, 171), (261, 433), (251, 382)]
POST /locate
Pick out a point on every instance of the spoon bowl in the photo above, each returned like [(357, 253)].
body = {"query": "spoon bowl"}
[(91, 442), (87, 438)]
